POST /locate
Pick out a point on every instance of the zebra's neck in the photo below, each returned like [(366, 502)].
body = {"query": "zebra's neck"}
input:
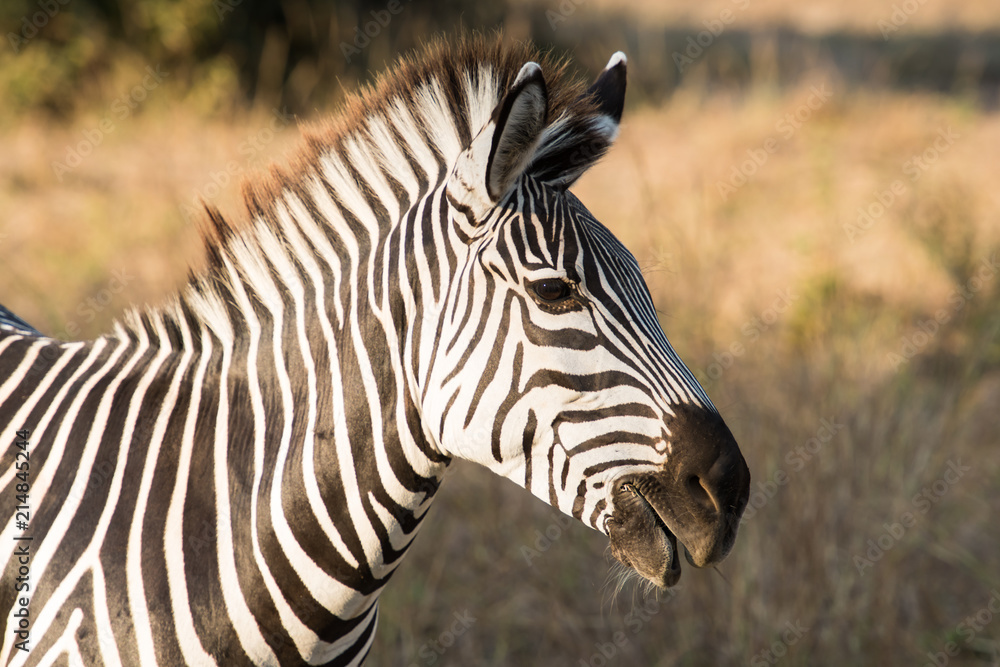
[(343, 260), (314, 314)]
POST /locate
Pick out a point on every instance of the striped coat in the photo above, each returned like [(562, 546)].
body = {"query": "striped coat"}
[(232, 477)]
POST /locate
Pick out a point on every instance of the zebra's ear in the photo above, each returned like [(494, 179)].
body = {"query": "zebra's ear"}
[(519, 121), (486, 171), (609, 89), (583, 135)]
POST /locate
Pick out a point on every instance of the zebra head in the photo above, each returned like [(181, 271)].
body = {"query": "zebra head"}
[(576, 394)]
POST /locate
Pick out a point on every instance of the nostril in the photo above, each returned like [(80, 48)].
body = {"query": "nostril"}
[(699, 493)]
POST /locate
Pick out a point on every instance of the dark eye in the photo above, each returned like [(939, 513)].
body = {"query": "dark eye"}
[(552, 289)]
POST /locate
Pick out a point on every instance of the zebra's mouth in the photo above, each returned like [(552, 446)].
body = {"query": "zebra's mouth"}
[(640, 538), (696, 499)]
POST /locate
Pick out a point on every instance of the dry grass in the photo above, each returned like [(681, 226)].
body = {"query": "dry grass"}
[(861, 16), (712, 265)]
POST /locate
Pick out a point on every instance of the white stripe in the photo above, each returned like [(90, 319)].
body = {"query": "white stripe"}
[(65, 644), (133, 561), (102, 618), (392, 158), (351, 638), (242, 618), (17, 376), (397, 538), (321, 241), (334, 169), (431, 105), (482, 99), (308, 644), (402, 119), (8, 340), (361, 207), (20, 418), (315, 498), (173, 537), (359, 157)]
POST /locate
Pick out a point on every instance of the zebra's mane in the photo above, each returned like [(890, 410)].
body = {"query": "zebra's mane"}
[(446, 92), (445, 85)]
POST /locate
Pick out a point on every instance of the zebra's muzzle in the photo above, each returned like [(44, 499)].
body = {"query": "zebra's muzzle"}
[(695, 499)]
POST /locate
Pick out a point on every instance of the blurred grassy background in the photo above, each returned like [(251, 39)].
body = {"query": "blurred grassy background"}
[(813, 201)]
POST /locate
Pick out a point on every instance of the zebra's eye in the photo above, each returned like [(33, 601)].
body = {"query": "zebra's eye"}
[(552, 289)]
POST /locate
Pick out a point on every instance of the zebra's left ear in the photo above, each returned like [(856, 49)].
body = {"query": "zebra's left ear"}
[(487, 169), (581, 136)]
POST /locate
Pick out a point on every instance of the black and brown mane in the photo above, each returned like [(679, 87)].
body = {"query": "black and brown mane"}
[(442, 62)]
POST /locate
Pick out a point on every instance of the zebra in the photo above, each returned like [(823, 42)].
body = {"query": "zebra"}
[(232, 476)]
